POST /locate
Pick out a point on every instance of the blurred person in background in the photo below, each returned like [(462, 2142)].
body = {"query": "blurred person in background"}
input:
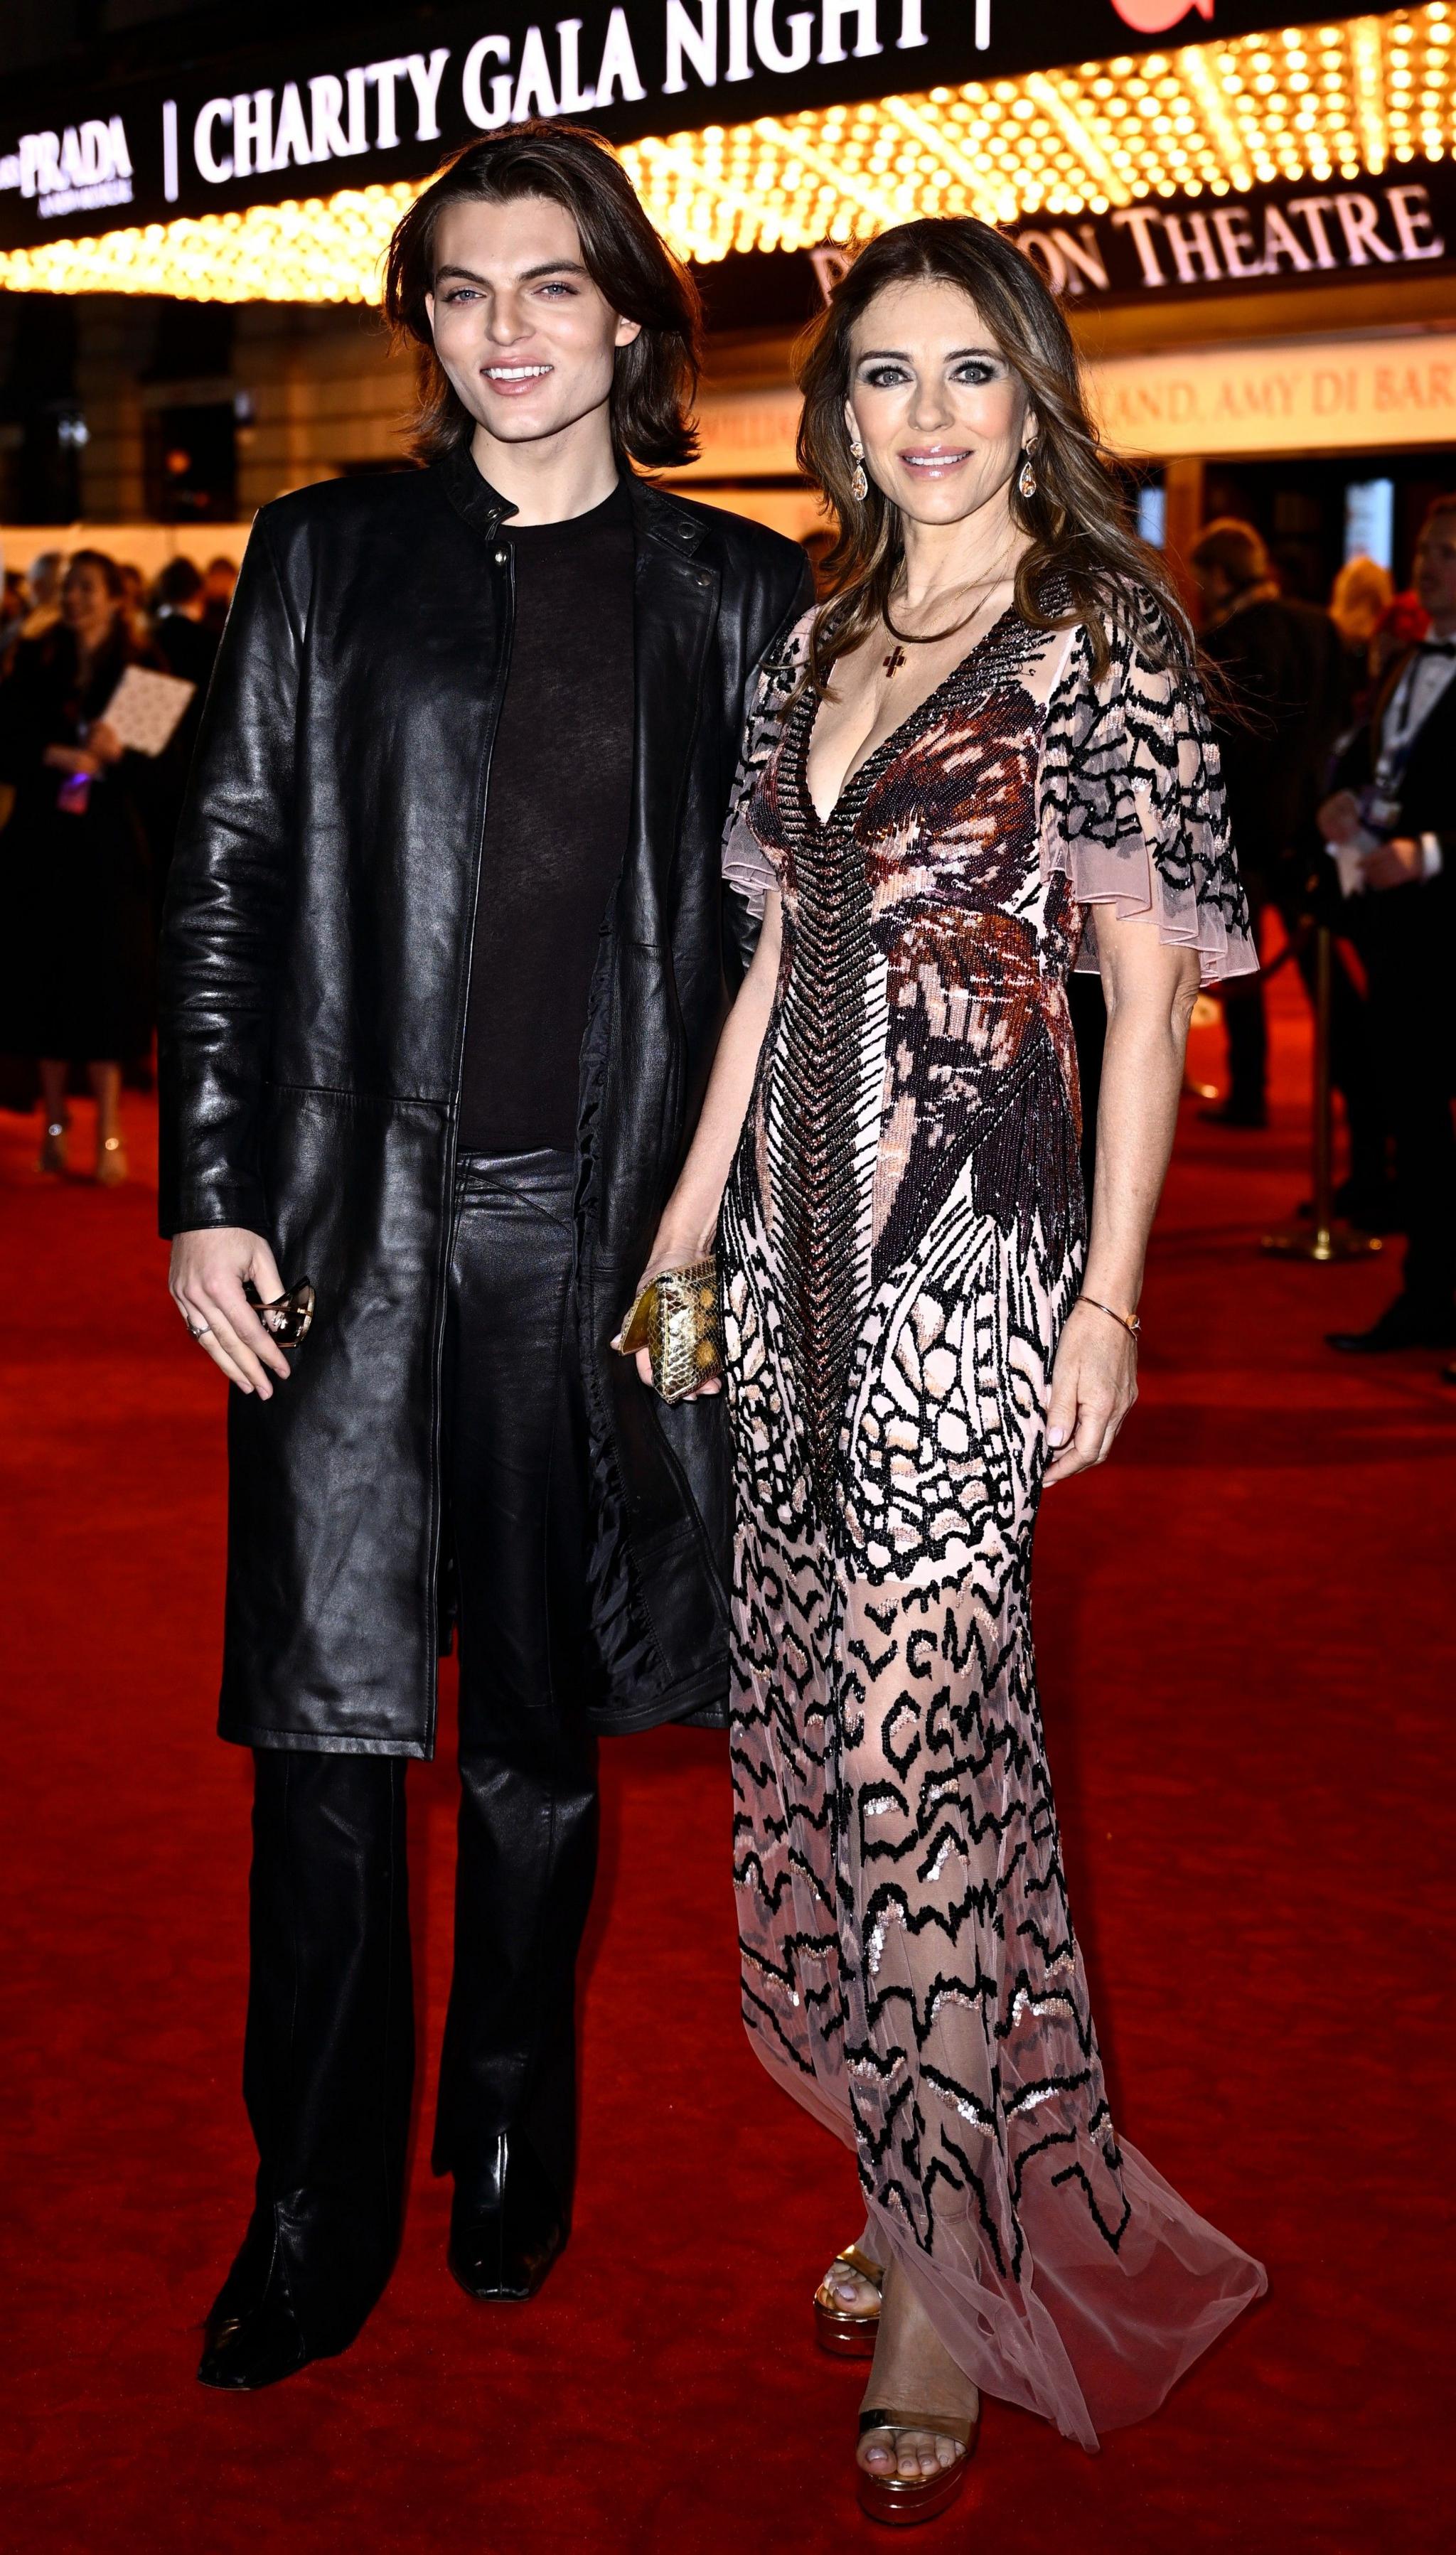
[(220, 577), (182, 639), (12, 611), (1402, 625), (76, 971), (43, 593), (188, 649), (1394, 807), (1361, 596), (1284, 703), (134, 599)]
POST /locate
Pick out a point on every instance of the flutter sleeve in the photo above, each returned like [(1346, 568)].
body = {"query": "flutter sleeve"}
[(748, 867), (1132, 802)]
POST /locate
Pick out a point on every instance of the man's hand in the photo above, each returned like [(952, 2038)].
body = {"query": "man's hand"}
[(104, 743), (206, 1276), (72, 759), (1393, 864), (1094, 1385)]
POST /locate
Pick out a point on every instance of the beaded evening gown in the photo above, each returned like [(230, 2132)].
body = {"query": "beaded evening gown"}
[(901, 1243)]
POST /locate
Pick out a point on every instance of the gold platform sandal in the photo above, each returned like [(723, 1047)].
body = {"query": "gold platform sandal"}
[(846, 2333), (902, 2502)]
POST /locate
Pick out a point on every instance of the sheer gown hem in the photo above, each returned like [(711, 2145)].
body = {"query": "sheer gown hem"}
[(1090, 2340)]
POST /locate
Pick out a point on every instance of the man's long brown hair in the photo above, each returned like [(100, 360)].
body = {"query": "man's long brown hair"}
[(655, 377), (1081, 539)]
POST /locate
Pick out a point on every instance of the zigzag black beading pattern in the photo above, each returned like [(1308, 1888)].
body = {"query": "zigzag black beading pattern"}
[(828, 952)]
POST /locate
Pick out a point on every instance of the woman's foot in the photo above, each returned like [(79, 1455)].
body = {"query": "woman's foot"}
[(914, 2368), (847, 2303), (856, 2291), (52, 1150), (110, 1161)]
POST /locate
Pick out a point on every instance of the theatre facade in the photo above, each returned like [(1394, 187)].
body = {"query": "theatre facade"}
[(1251, 227)]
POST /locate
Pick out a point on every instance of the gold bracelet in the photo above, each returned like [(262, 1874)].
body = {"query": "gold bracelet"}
[(1128, 1322)]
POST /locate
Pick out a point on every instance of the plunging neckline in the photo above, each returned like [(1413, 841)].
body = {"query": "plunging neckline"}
[(853, 777)]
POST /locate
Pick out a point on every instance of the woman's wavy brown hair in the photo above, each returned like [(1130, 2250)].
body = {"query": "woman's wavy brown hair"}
[(1081, 537), (655, 378)]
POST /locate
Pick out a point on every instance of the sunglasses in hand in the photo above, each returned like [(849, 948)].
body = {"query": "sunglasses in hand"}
[(288, 1317)]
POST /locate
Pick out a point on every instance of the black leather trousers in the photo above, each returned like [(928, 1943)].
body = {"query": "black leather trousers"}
[(329, 2055)]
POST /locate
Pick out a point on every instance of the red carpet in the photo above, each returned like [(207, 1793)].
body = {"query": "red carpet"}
[(1244, 1642)]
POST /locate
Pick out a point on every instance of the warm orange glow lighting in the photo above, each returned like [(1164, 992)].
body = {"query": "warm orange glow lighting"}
[(1320, 102)]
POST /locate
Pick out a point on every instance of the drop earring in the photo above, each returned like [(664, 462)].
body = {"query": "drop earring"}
[(1026, 481), (858, 483)]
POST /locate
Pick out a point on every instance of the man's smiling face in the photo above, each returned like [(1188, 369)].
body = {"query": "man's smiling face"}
[(525, 337)]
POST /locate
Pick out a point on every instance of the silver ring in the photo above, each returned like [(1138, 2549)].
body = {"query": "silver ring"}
[(200, 1330)]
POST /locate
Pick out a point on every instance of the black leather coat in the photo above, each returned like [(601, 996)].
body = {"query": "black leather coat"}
[(316, 978)]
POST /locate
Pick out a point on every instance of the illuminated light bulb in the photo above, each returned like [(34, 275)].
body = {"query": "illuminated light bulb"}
[(1211, 118)]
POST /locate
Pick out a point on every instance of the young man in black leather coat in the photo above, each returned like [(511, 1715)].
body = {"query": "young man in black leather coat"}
[(444, 969)]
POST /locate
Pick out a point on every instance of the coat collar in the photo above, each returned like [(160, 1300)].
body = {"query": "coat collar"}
[(1393, 676), (663, 519), (657, 517), (478, 504)]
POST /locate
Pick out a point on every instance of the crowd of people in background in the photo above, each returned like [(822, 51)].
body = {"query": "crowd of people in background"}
[(86, 825), (1331, 724), (31, 599), (1389, 820), (1337, 732)]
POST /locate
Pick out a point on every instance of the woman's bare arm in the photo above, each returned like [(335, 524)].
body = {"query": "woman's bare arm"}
[(1151, 990), (690, 1217)]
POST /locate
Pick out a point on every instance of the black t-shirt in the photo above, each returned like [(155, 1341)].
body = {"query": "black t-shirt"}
[(555, 829)]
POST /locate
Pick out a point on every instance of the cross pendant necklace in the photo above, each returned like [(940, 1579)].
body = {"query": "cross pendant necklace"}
[(894, 661)]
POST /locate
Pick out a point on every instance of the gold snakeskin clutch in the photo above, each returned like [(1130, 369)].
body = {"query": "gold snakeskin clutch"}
[(676, 1319)]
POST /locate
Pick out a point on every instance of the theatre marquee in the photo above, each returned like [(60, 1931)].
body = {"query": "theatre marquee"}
[(1247, 150), (384, 103)]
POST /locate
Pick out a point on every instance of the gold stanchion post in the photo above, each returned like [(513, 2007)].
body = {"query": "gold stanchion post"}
[(1325, 1236)]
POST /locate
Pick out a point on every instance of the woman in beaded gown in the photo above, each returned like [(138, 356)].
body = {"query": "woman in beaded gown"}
[(983, 761)]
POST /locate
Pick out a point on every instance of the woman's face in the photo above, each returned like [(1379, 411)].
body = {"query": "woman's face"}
[(85, 604), (942, 414)]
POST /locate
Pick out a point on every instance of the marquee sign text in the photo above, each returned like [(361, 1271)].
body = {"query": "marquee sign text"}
[(260, 127)]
